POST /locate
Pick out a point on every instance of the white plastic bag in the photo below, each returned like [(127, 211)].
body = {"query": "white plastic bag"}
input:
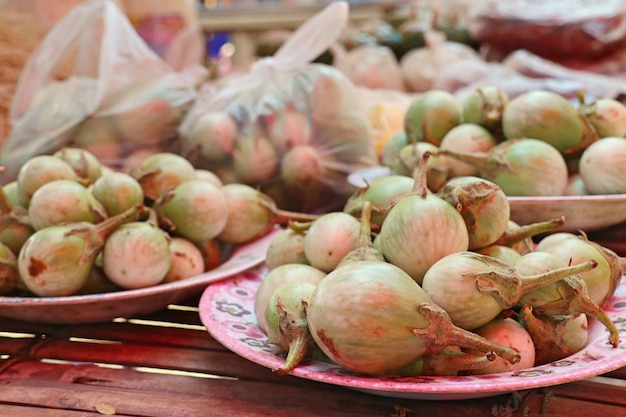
[(523, 71), (115, 94), (371, 66), (293, 128), (421, 67)]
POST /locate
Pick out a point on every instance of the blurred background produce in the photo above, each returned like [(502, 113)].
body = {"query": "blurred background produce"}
[(171, 29), (391, 51)]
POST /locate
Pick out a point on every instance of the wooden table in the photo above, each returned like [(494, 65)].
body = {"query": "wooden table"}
[(166, 364)]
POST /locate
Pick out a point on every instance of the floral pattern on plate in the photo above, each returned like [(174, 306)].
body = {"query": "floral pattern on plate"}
[(227, 310)]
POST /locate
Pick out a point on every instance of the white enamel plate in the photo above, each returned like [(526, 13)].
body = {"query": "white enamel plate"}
[(107, 306)]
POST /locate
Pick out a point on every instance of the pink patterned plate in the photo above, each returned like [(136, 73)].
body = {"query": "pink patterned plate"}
[(227, 311), (93, 308)]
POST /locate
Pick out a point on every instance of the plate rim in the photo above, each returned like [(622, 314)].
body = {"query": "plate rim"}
[(353, 178), (568, 198)]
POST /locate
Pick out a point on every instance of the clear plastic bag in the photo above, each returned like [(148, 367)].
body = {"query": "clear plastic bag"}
[(523, 71), (170, 27), (371, 66), (422, 67), (291, 127), (593, 84), (94, 83)]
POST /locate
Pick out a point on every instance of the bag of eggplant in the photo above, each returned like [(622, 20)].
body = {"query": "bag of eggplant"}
[(94, 83), (288, 126)]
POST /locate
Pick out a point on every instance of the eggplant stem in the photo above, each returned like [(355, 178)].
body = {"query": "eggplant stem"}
[(533, 282), (297, 226), (108, 226), (575, 299), (513, 236), (299, 348), (441, 332), (145, 181), (589, 136), (95, 235), (365, 235), (506, 287), (293, 329), (477, 159), (283, 217), (451, 362), (364, 249), (420, 186)]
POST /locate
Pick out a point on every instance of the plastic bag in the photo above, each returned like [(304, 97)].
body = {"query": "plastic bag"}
[(291, 127), (170, 27), (553, 29), (593, 84), (371, 66), (421, 67), (114, 95), (523, 71)]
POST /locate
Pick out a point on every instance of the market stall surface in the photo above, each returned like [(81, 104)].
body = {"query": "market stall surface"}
[(167, 364)]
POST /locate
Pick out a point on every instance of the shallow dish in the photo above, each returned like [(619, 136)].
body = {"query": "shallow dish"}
[(107, 306), (587, 213), (227, 311)]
